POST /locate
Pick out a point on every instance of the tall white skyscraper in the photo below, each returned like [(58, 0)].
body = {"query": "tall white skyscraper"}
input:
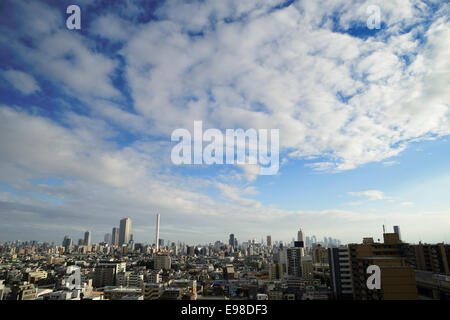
[(301, 237), (124, 231), (157, 232)]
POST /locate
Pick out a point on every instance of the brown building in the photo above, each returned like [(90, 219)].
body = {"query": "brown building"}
[(431, 257), (24, 291), (397, 276), (320, 255)]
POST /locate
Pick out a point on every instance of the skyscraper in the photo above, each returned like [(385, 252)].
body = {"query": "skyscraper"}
[(294, 260), (269, 241), (124, 232), (67, 243), (107, 238), (231, 240), (87, 238), (157, 231), (115, 237), (340, 273), (301, 239)]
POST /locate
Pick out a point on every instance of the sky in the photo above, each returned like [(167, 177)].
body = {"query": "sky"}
[(363, 114)]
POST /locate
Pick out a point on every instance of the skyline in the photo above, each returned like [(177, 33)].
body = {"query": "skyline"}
[(310, 237), (363, 115)]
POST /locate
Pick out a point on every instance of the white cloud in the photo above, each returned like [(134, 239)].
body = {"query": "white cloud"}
[(112, 27), (407, 204), (339, 101), (370, 194), (21, 81), (273, 70)]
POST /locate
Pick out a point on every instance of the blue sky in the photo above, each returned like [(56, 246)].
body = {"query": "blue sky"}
[(86, 118)]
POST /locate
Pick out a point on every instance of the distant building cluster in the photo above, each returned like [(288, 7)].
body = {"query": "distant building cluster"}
[(305, 269)]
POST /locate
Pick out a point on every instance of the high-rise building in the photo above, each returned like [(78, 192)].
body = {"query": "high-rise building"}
[(301, 239), (307, 268), (308, 242), (294, 260), (231, 240), (87, 238), (107, 238), (124, 232), (276, 271), (190, 250), (340, 273), (67, 244), (398, 279), (115, 237), (269, 241), (157, 232), (431, 257)]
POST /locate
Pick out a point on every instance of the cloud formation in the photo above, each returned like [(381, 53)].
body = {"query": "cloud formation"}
[(21, 81), (341, 96)]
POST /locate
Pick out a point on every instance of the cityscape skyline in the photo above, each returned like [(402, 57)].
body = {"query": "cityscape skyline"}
[(307, 240)]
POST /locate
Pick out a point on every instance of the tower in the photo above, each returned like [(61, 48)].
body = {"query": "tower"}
[(115, 237), (269, 241), (157, 232), (87, 238), (231, 240), (301, 239), (124, 231)]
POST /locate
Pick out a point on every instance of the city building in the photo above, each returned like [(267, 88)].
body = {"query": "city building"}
[(24, 291), (277, 271), (107, 239), (162, 261), (340, 273), (302, 241), (294, 260), (269, 241), (115, 237), (397, 231), (398, 280), (153, 291), (105, 273), (431, 257), (157, 232), (87, 238), (124, 231), (231, 240), (67, 244)]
